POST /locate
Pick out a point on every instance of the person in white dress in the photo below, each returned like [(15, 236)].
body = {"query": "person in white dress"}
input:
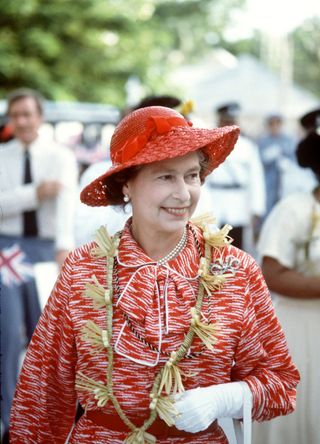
[(290, 250)]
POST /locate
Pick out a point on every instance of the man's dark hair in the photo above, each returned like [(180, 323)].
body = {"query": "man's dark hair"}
[(24, 93), (168, 101), (308, 153)]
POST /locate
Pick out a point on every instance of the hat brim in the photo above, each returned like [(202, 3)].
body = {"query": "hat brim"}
[(216, 143)]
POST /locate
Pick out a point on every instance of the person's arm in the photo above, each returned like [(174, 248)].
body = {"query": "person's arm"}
[(257, 184), (289, 282), (19, 199), (66, 201), (263, 378), (262, 359), (45, 401), (27, 197), (286, 226)]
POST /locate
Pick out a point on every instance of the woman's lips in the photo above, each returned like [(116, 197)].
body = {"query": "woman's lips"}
[(177, 211)]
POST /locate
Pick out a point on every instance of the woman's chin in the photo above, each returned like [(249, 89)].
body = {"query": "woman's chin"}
[(174, 224)]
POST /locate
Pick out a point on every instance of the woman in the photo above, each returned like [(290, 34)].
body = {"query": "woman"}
[(163, 328), (290, 248)]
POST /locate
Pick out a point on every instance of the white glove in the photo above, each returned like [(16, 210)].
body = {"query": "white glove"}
[(199, 407)]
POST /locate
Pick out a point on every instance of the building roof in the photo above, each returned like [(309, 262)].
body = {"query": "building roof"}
[(221, 77)]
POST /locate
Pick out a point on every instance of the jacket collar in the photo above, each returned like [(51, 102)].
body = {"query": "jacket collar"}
[(131, 255), (156, 299)]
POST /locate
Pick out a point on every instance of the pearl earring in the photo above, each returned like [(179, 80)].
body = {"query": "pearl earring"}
[(126, 198)]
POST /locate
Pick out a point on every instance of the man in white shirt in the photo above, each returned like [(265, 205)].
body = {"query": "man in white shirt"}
[(237, 186), (38, 185)]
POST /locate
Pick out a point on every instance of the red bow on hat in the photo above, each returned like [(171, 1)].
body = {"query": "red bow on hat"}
[(156, 125)]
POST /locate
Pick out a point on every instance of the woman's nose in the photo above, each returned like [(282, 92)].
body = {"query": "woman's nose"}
[(181, 191)]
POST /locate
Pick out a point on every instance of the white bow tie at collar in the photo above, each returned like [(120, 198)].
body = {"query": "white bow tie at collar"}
[(158, 301)]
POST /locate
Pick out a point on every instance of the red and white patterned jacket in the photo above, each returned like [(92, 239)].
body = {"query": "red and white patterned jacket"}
[(151, 316)]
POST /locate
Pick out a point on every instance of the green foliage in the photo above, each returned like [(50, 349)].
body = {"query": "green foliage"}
[(87, 49), (250, 45), (306, 43)]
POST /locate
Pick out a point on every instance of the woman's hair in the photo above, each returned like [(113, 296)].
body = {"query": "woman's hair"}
[(308, 153), (204, 163), (116, 182)]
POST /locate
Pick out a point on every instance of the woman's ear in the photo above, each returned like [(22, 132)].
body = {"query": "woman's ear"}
[(125, 189)]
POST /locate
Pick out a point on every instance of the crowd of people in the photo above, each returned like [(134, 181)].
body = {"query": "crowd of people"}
[(161, 326)]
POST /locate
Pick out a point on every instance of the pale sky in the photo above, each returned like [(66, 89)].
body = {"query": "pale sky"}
[(274, 16), (281, 15)]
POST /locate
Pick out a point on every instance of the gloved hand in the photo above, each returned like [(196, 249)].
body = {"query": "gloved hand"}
[(199, 407)]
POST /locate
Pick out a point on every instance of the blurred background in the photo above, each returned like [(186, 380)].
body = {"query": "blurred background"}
[(264, 55)]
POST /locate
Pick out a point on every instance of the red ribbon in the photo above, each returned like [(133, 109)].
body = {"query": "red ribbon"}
[(155, 125)]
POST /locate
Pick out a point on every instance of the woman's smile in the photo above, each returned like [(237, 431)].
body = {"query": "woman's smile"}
[(176, 211), (163, 196)]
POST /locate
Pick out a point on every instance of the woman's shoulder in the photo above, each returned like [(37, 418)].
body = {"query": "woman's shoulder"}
[(225, 257), (84, 255), (81, 264), (243, 259), (224, 252), (82, 252)]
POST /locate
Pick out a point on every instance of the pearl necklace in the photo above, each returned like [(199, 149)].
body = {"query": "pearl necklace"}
[(177, 249)]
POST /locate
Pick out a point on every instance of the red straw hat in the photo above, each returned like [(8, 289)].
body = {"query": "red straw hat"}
[(156, 133)]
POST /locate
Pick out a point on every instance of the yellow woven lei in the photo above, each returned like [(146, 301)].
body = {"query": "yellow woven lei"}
[(168, 380)]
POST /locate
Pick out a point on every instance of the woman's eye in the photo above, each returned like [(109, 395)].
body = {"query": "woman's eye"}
[(194, 176), (166, 177)]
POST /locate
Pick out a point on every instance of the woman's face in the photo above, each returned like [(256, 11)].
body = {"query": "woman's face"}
[(164, 194)]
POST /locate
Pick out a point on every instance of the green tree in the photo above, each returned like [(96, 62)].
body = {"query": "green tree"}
[(306, 44), (87, 49)]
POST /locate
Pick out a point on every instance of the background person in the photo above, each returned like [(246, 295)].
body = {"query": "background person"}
[(310, 121), (164, 304), (294, 177), (273, 146), (290, 251), (238, 188), (37, 190), (5, 133)]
